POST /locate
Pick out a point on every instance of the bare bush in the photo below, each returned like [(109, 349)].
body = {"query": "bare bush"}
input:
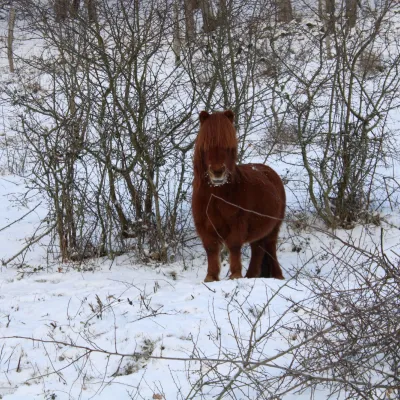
[(340, 115), (108, 130), (342, 339), (359, 357)]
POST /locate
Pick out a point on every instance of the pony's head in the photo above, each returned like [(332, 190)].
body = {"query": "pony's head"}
[(215, 152)]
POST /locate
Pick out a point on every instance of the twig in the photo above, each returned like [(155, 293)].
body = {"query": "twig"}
[(20, 219), (245, 209), (211, 290), (253, 364), (4, 263)]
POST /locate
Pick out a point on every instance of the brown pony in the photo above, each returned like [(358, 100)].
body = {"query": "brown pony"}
[(234, 204)]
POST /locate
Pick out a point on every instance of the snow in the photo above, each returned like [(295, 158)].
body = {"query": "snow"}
[(123, 307)]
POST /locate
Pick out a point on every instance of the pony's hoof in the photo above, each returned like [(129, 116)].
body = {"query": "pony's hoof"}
[(281, 277), (210, 278), (236, 275)]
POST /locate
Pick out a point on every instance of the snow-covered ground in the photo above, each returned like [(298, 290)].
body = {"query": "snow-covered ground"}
[(116, 308)]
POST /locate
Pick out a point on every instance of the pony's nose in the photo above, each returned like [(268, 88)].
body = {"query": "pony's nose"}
[(219, 171)]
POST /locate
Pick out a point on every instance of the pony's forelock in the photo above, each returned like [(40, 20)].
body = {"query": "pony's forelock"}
[(217, 130)]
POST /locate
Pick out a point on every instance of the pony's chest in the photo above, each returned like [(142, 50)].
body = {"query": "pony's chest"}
[(215, 207), (220, 211)]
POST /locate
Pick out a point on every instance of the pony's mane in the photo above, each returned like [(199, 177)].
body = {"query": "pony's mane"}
[(217, 131)]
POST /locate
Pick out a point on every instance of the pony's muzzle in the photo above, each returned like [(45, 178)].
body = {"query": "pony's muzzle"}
[(218, 175)]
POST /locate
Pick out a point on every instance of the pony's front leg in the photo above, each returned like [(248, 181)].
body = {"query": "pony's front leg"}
[(235, 261), (212, 248)]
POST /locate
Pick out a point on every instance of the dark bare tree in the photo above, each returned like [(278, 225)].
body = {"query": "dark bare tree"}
[(64, 8), (284, 11), (351, 13), (92, 9), (61, 9), (75, 8), (209, 20), (10, 38)]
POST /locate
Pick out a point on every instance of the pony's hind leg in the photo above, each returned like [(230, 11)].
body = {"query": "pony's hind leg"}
[(257, 254), (270, 267)]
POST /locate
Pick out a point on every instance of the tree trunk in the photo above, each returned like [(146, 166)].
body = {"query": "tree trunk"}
[(176, 41), (321, 7), (284, 11), (330, 16), (92, 10), (60, 9), (75, 8), (209, 21), (11, 24), (190, 6), (351, 13)]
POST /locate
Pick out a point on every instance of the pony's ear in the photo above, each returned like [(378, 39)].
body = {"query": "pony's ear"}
[(230, 115), (203, 116)]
